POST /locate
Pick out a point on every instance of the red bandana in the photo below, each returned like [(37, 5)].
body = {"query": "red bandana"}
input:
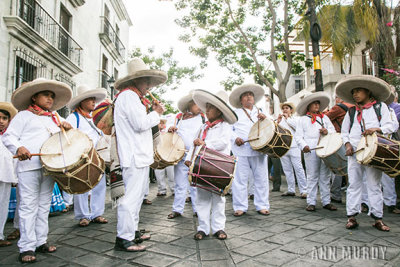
[(314, 116), (2, 132), (209, 125), (143, 99), (360, 110), (41, 112), (83, 113)]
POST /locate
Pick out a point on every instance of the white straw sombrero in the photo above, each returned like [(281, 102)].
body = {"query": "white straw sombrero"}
[(136, 68), (290, 104), (322, 97), (84, 92), (7, 106), (21, 98), (219, 100), (184, 101), (257, 90)]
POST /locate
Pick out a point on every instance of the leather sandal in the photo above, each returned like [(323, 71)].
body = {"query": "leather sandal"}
[(161, 194), (221, 235), (199, 235), (381, 226), (310, 208), (100, 219), (128, 246), (140, 237), (46, 248), (24, 255), (83, 222), (239, 213), (263, 212), (303, 195), (330, 207), (5, 243), (288, 194), (147, 202), (174, 215), (14, 235), (351, 223)]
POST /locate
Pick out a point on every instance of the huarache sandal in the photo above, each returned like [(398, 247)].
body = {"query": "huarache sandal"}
[(199, 235), (263, 212), (381, 226), (351, 223), (330, 207), (239, 213), (128, 246), (303, 196), (188, 200), (140, 237), (83, 222), (27, 256), (221, 235), (5, 243), (161, 194), (147, 202), (46, 248), (66, 209), (14, 235), (288, 194), (173, 215), (100, 220), (310, 208)]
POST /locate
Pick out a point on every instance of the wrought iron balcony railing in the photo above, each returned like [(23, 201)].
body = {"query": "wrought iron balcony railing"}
[(108, 30)]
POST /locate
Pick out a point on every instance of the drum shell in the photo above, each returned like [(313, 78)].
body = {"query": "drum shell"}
[(279, 144), (337, 162)]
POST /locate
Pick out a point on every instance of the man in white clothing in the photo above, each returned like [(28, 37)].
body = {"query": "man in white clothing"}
[(243, 98), (133, 125)]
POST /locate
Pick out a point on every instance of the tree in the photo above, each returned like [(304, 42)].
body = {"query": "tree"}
[(176, 73), (246, 36)]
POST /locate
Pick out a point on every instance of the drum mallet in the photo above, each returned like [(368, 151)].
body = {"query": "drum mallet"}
[(62, 129), (318, 147), (250, 140), (41, 154), (359, 150)]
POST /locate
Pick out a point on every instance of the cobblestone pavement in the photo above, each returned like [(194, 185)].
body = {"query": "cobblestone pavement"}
[(290, 236)]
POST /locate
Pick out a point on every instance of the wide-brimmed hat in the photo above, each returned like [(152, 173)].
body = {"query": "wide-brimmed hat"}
[(322, 97), (219, 100), (290, 104), (257, 90), (83, 92), (7, 106), (379, 89), (136, 68), (21, 98), (183, 103), (390, 99)]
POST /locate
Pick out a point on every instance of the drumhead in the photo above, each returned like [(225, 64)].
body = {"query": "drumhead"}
[(267, 131), (366, 153), (72, 153), (171, 147), (331, 143)]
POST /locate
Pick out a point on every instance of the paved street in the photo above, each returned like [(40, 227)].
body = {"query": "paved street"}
[(290, 236)]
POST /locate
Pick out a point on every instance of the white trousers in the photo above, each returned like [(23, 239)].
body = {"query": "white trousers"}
[(291, 164), (251, 184), (181, 187), (5, 191), (354, 190), (210, 211), (318, 175), (162, 175), (364, 193), (258, 166), (68, 198), (389, 191), (136, 181), (16, 215), (35, 191), (97, 201)]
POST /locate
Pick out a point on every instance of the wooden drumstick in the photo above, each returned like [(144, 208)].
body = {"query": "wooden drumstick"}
[(359, 150), (318, 147), (62, 129), (41, 154), (250, 140)]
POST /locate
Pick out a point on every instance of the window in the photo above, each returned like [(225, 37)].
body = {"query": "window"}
[(27, 67), (115, 74), (104, 72), (298, 85), (65, 21), (27, 11)]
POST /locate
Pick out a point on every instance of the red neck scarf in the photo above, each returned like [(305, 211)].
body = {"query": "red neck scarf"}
[(83, 113), (41, 112), (2, 132), (210, 125), (143, 99), (314, 116), (360, 109)]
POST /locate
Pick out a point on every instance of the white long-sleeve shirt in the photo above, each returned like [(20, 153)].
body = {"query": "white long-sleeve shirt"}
[(242, 129), (31, 131), (189, 129), (7, 168), (218, 138), (85, 127), (371, 120), (290, 124), (133, 130), (307, 133)]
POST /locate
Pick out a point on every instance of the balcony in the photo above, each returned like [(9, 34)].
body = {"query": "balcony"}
[(109, 38), (34, 26)]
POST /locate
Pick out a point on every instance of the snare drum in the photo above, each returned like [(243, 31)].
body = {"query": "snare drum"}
[(169, 151), (331, 150), (268, 137), (379, 152), (212, 171), (79, 168)]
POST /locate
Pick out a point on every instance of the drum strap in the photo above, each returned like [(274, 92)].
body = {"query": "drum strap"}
[(247, 114)]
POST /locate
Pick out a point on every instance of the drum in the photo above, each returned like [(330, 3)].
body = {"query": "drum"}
[(268, 137), (379, 152), (331, 150), (79, 168), (212, 171), (169, 151)]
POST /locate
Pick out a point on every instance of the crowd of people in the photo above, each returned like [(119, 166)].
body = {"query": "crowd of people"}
[(365, 106)]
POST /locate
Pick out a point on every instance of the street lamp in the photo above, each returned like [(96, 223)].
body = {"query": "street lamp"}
[(111, 82)]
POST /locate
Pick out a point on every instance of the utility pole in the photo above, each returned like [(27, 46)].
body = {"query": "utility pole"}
[(315, 34)]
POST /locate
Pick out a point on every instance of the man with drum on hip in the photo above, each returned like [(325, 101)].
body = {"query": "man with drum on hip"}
[(309, 129), (243, 98), (82, 106), (31, 127), (188, 124), (366, 92), (291, 162)]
